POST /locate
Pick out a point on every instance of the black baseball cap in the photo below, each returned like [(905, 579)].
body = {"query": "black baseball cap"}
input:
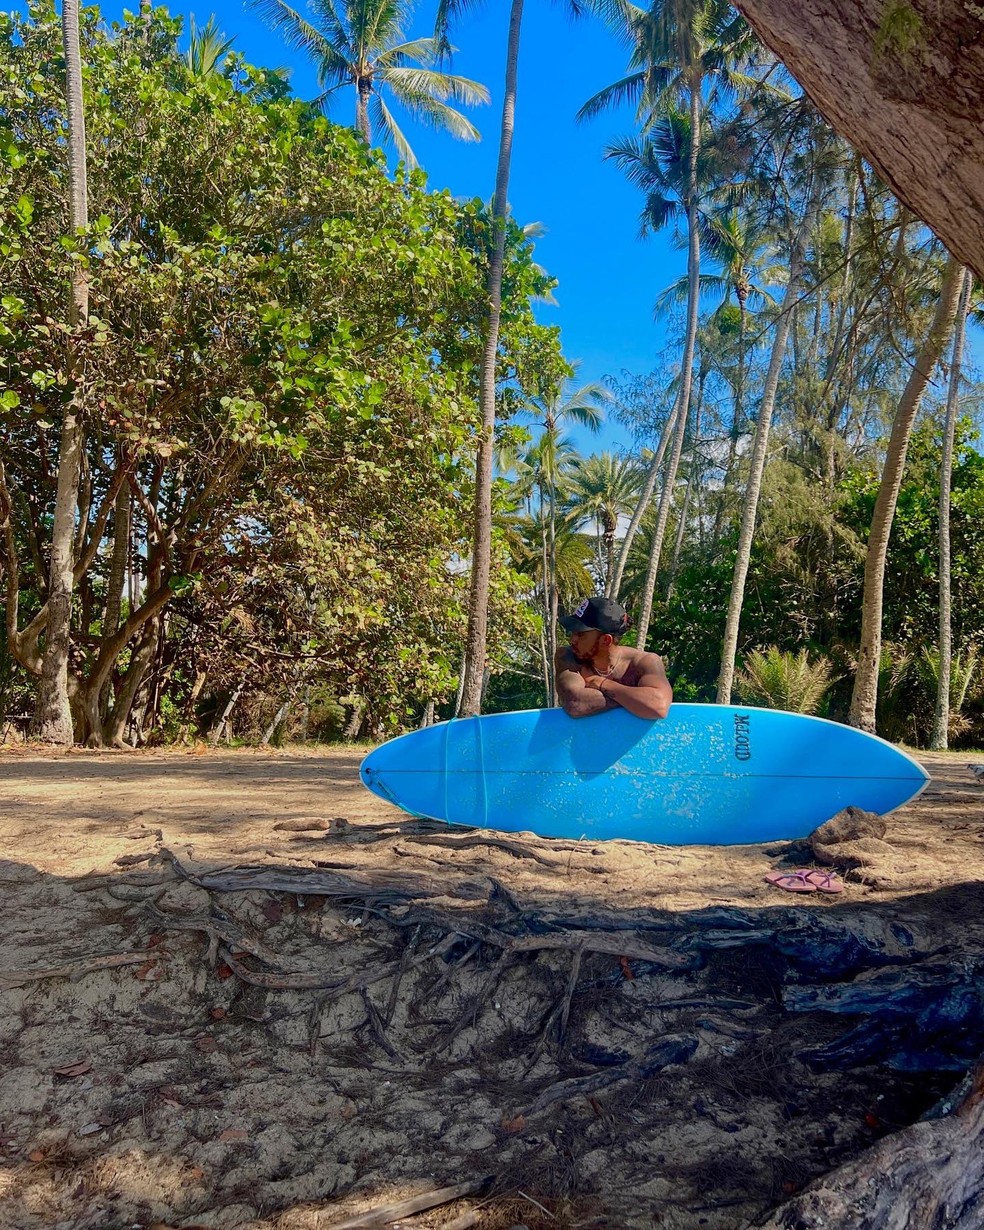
[(599, 614)]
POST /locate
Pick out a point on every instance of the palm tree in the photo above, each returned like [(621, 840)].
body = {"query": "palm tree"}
[(797, 271), (602, 490), (941, 722), (678, 49), (478, 600), (53, 716), (360, 44), (207, 49), (557, 408), (865, 695)]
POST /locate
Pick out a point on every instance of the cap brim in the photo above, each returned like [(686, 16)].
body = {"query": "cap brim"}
[(571, 623)]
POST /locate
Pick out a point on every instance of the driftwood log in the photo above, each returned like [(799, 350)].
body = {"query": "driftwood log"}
[(929, 1176)]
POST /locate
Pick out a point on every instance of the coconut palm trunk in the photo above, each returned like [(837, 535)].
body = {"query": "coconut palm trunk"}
[(478, 606), (797, 269), (687, 370), (363, 88), (53, 717), (644, 499), (865, 696), (941, 723)]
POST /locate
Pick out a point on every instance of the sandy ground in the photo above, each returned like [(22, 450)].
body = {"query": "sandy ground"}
[(210, 1020)]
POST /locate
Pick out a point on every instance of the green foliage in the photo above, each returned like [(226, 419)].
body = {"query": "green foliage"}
[(778, 679), (278, 364), (908, 683)]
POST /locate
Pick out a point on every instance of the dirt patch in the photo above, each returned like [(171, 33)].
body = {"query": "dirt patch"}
[(211, 1020)]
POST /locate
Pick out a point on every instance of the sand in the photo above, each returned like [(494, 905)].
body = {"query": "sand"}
[(179, 1047)]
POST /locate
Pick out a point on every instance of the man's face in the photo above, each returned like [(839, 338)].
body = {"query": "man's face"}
[(586, 644)]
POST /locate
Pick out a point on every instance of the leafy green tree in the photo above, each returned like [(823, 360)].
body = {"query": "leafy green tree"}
[(277, 378)]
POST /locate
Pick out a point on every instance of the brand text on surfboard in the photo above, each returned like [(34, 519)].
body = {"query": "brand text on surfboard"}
[(743, 739)]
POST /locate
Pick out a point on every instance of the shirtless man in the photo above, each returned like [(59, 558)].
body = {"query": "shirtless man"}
[(596, 673)]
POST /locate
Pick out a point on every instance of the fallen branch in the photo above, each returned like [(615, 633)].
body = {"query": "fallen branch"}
[(77, 969), (216, 929), (387, 1213), (674, 1048), (461, 843), (326, 982), (930, 1174)]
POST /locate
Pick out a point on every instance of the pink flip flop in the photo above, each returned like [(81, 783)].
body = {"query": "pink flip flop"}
[(792, 881), (825, 881)]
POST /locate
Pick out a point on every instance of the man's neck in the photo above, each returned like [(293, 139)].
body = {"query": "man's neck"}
[(604, 662)]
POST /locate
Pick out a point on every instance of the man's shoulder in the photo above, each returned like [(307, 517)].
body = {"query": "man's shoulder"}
[(643, 657)]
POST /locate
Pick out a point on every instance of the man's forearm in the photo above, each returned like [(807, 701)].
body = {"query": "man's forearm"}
[(642, 702), (585, 702)]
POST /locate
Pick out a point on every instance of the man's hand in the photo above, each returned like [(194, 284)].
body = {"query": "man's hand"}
[(591, 680)]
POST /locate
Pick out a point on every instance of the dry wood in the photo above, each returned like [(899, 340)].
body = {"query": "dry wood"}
[(407, 1208), (930, 1176), (136, 879), (673, 1048), (376, 1026), (216, 929), (620, 945), (325, 981), (462, 843), (75, 969)]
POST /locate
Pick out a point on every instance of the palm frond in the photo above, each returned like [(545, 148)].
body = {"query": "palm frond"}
[(332, 26), (297, 33), (424, 82), (448, 12), (208, 47), (384, 123), (627, 89), (434, 112)]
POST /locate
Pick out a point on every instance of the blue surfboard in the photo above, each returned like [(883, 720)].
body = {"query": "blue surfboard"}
[(705, 775)]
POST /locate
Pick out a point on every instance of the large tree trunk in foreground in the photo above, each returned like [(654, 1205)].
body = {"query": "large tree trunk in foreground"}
[(53, 718), (930, 1176), (865, 695), (478, 602), (904, 83)]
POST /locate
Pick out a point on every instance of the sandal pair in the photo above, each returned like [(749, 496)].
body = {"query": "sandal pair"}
[(806, 880)]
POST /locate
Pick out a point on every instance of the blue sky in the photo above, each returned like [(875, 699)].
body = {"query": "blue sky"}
[(608, 277)]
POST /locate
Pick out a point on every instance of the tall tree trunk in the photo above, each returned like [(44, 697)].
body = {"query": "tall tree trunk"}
[(53, 718), (478, 604), (116, 721), (119, 562), (215, 734), (669, 427), (363, 89), (681, 529), (279, 717), (865, 696), (737, 419), (797, 268), (941, 724), (547, 635), (686, 374)]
